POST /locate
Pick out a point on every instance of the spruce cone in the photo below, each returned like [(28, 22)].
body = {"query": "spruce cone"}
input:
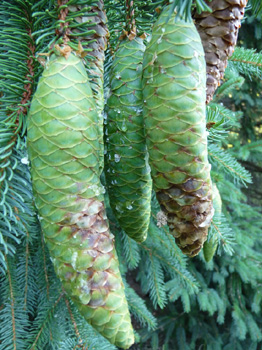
[(128, 173), (63, 148), (174, 81), (98, 43), (218, 31)]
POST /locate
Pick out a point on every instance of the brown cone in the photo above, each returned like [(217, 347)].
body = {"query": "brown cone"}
[(218, 31)]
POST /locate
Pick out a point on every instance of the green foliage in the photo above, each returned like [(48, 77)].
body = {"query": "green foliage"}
[(225, 162), (176, 303), (184, 7), (52, 27), (246, 62), (256, 7), (15, 85)]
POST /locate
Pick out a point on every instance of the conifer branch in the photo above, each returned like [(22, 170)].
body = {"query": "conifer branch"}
[(256, 6), (227, 87), (16, 86), (224, 113), (131, 251), (171, 266), (26, 269), (12, 302), (44, 260), (138, 308), (50, 312), (171, 242), (62, 14), (26, 96), (183, 7), (73, 320), (247, 62), (156, 272), (221, 235), (130, 19), (228, 163)]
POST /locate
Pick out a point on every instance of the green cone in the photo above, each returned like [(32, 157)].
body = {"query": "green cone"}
[(63, 148), (97, 42), (128, 173), (174, 83), (210, 246)]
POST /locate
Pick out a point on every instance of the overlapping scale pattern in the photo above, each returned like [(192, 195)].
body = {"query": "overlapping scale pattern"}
[(63, 148), (218, 31), (97, 42), (174, 110), (127, 172)]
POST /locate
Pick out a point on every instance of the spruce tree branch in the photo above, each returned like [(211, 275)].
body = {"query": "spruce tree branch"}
[(227, 87), (226, 165), (131, 251), (45, 269), (64, 30), (256, 6), (26, 96), (73, 320), (12, 302), (26, 268), (159, 298), (218, 231), (170, 240), (130, 19), (168, 263), (247, 62), (229, 163), (184, 7), (51, 311), (136, 308)]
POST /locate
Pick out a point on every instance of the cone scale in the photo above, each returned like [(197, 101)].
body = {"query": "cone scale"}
[(218, 31), (63, 149), (174, 110), (127, 172), (97, 42)]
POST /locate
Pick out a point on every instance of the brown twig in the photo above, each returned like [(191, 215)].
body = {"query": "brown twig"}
[(130, 17), (74, 323), (64, 30), (130, 31)]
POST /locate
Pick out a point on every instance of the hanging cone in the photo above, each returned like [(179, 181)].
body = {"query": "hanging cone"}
[(174, 82), (127, 171), (98, 43), (63, 148), (218, 31)]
